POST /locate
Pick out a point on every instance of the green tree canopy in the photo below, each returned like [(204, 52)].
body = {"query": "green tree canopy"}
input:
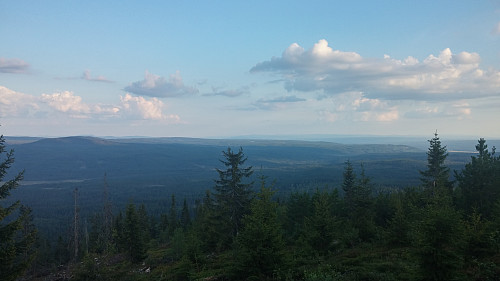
[(232, 193), (479, 181), (435, 178), (15, 244), (260, 245)]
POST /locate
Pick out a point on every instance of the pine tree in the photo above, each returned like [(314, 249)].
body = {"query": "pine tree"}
[(207, 224), (436, 178), (357, 194), (479, 182), (185, 216), (259, 249), (298, 207), (440, 242), (61, 251), (321, 228), (105, 236), (348, 185), (118, 233), (173, 221), (134, 235), (15, 244), (232, 194)]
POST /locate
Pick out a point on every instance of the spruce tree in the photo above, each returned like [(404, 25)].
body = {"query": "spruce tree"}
[(207, 224), (478, 182), (185, 216), (321, 229), (435, 178), (232, 193), (134, 235), (348, 185), (298, 207), (15, 244), (440, 242), (357, 194), (173, 221), (259, 249)]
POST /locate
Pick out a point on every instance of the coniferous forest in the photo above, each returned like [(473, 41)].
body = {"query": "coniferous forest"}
[(445, 228)]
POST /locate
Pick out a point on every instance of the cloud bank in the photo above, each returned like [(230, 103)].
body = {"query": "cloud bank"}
[(146, 109), (159, 87), (16, 104), (440, 77)]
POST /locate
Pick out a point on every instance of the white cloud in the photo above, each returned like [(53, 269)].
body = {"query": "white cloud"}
[(146, 109), (66, 102), (355, 107), (157, 86), (446, 76), (13, 66), (13, 104), (374, 109)]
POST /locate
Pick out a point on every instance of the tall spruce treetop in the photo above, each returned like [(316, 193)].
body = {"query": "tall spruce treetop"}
[(15, 245), (259, 248), (478, 182), (349, 178), (437, 174), (232, 193), (349, 184)]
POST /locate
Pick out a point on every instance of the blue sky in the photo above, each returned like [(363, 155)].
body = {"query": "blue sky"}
[(236, 68)]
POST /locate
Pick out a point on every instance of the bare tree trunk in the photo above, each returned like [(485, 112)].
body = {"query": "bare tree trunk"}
[(76, 223)]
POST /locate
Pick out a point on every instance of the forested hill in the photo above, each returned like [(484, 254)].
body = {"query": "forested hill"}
[(328, 201), (149, 170), (69, 158)]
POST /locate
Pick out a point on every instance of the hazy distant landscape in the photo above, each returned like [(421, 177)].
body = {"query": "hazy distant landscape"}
[(249, 140), (150, 170)]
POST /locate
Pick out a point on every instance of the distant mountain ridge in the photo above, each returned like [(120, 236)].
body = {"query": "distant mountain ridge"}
[(84, 157), (75, 140), (150, 170), (191, 162)]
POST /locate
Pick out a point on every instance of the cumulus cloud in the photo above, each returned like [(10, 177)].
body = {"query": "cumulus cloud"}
[(157, 86), (72, 105), (14, 104), (66, 102), (13, 66), (86, 76), (444, 76), (354, 106), (373, 109), (130, 107), (146, 109)]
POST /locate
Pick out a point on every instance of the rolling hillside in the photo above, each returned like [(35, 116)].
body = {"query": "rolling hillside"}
[(150, 170)]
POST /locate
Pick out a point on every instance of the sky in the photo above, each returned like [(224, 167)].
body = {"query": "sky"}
[(246, 68)]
